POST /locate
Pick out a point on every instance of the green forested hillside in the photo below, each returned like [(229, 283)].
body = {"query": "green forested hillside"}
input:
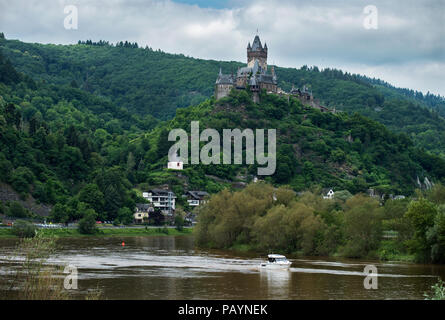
[(67, 147), (79, 151), (421, 117), (145, 81), (314, 148), (142, 80)]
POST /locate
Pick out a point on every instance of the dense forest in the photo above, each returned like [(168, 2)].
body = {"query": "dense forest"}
[(65, 147), (338, 150), (276, 219), (147, 81), (74, 136)]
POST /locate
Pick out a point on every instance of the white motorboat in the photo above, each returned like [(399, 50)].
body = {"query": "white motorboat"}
[(276, 261)]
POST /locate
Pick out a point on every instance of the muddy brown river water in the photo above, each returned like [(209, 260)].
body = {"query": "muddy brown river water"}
[(172, 268)]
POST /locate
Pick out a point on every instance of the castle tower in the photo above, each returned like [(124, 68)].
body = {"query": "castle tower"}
[(257, 52)]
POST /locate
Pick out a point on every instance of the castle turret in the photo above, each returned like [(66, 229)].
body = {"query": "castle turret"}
[(253, 76), (257, 53), (224, 83), (274, 76)]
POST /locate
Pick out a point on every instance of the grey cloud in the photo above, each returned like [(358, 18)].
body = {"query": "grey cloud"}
[(410, 40)]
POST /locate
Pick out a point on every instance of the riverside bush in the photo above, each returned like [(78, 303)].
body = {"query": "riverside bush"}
[(23, 229)]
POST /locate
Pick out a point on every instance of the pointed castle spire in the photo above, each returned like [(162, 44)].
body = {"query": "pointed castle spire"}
[(256, 45)]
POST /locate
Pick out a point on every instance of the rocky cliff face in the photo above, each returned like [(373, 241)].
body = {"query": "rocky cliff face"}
[(7, 193)]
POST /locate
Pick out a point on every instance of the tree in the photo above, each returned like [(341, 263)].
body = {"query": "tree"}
[(59, 213), (17, 210), (93, 197), (338, 155), (163, 145), (179, 222), (87, 225), (421, 214), (125, 216), (156, 218), (130, 162), (437, 194), (5, 167), (74, 84), (342, 195), (363, 226), (283, 173), (436, 236), (114, 186), (22, 179), (7, 72)]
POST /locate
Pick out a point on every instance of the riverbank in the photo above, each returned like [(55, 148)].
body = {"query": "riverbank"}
[(387, 252), (104, 232)]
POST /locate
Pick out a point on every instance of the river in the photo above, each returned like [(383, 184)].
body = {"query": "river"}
[(170, 267)]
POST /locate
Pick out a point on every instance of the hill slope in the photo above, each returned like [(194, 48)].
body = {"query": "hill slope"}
[(65, 146), (152, 82), (72, 149), (314, 148)]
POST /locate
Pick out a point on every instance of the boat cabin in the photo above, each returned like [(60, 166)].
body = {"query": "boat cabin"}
[(276, 258)]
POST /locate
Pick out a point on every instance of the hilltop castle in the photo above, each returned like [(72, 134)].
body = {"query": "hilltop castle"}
[(254, 75)]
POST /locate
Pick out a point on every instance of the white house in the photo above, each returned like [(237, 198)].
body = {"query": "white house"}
[(329, 195), (163, 200), (175, 165)]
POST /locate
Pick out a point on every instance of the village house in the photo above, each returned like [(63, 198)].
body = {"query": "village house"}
[(175, 163), (329, 195), (196, 198), (142, 213), (161, 199)]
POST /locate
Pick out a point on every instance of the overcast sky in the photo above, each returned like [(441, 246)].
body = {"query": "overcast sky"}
[(407, 49)]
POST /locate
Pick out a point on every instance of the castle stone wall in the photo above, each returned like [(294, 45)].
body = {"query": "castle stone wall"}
[(222, 90)]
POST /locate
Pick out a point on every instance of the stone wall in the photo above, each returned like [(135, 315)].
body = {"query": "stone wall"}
[(222, 90)]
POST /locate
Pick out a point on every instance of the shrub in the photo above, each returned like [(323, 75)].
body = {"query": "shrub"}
[(87, 225), (22, 179), (179, 222), (17, 210), (438, 291), (24, 229)]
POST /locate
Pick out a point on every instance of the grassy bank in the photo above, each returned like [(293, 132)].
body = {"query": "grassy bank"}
[(391, 250), (105, 232)]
